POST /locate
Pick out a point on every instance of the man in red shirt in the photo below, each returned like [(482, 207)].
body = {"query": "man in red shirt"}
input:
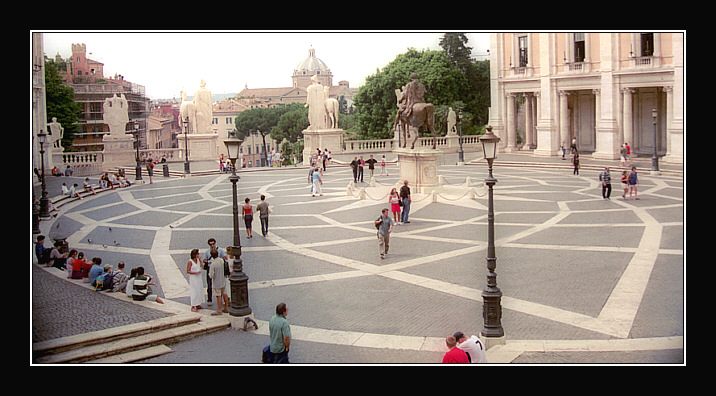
[(454, 355)]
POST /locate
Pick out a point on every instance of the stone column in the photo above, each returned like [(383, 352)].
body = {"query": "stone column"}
[(597, 108), (675, 128), (627, 118), (511, 127), (547, 135), (528, 122), (563, 119), (607, 99), (537, 115), (669, 114), (497, 98)]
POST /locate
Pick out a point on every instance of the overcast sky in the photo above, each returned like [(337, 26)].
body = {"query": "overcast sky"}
[(169, 61)]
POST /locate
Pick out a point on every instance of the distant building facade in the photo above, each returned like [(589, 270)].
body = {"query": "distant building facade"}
[(86, 77), (270, 97), (600, 88)]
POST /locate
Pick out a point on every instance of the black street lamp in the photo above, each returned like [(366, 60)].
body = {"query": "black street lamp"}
[(654, 157), (44, 200), (460, 154), (138, 168), (491, 296), (187, 170), (239, 280)]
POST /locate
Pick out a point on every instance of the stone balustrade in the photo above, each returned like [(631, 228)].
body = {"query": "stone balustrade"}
[(82, 163), (171, 154), (370, 146)]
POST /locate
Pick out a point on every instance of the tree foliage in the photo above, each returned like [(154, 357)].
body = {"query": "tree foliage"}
[(376, 103), (60, 102), (268, 120)]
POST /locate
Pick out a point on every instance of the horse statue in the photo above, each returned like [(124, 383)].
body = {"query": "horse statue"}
[(332, 110), (422, 114)]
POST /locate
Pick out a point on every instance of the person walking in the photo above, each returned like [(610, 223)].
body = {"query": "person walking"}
[(606, 180), (384, 224), (625, 185), (206, 260), (196, 286), (382, 166), (473, 346), (622, 155), (405, 196), (216, 272), (633, 182), (573, 146), (395, 203), (371, 165), (361, 164), (150, 169), (317, 181), (263, 209), (280, 335), (575, 162), (628, 151), (248, 212), (354, 167)]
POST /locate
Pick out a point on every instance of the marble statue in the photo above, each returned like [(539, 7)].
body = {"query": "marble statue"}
[(187, 109), (116, 114), (57, 132), (202, 106), (315, 101), (451, 122), (332, 110)]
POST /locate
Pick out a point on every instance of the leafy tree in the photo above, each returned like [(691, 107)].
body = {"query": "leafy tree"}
[(375, 101), (477, 74), (290, 124), (60, 101)]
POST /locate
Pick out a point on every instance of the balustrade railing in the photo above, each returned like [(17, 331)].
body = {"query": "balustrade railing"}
[(369, 146), (82, 163), (171, 154)]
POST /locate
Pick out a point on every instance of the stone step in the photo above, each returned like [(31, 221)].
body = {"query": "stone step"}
[(170, 335), (63, 344), (139, 354), (568, 165)]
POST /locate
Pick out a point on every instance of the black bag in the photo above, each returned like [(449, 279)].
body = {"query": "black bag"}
[(227, 271), (377, 225), (266, 355), (400, 202)]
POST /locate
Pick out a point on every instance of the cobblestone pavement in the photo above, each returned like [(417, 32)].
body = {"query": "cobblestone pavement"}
[(573, 267), (61, 308)]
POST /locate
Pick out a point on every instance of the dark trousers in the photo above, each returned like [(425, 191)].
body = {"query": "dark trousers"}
[(355, 175), (324, 165), (606, 190), (209, 292), (264, 225), (360, 173), (280, 358)]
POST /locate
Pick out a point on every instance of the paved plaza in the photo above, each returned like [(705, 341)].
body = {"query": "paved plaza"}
[(584, 279)]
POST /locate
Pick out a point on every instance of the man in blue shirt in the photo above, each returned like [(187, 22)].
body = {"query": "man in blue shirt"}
[(96, 270)]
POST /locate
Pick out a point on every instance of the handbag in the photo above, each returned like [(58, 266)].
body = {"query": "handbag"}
[(227, 271)]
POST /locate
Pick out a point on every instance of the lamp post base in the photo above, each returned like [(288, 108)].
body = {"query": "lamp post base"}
[(245, 322), (187, 170), (492, 341), (138, 172)]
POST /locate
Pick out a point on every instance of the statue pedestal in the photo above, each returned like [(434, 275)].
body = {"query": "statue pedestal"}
[(118, 151), (419, 168), (202, 146), (331, 139)]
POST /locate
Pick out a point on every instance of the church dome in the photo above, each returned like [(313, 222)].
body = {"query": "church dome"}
[(312, 64)]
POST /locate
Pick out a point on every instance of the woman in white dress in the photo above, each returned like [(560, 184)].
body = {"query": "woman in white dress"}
[(196, 285)]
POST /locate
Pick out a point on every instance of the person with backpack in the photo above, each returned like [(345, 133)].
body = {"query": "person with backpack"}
[(150, 169), (216, 273), (42, 253), (384, 225)]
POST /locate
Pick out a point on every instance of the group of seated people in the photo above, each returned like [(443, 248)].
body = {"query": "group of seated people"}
[(110, 180), (101, 277)]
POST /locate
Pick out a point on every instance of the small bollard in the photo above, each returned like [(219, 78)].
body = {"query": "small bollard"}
[(165, 170)]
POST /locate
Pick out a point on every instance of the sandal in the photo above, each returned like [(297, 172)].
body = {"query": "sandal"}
[(193, 309)]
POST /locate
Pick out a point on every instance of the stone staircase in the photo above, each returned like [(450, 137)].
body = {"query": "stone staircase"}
[(125, 344)]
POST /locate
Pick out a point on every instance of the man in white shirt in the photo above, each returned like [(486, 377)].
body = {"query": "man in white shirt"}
[(473, 346)]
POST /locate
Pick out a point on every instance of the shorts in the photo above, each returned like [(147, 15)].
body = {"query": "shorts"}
[(218, 292), (248, 219), (151, 297)]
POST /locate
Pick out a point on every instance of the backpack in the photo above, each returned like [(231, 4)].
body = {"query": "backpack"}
[(227, 270), (380, 219), (107, 282), (266, 355), (141, 290), (99, 282)]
